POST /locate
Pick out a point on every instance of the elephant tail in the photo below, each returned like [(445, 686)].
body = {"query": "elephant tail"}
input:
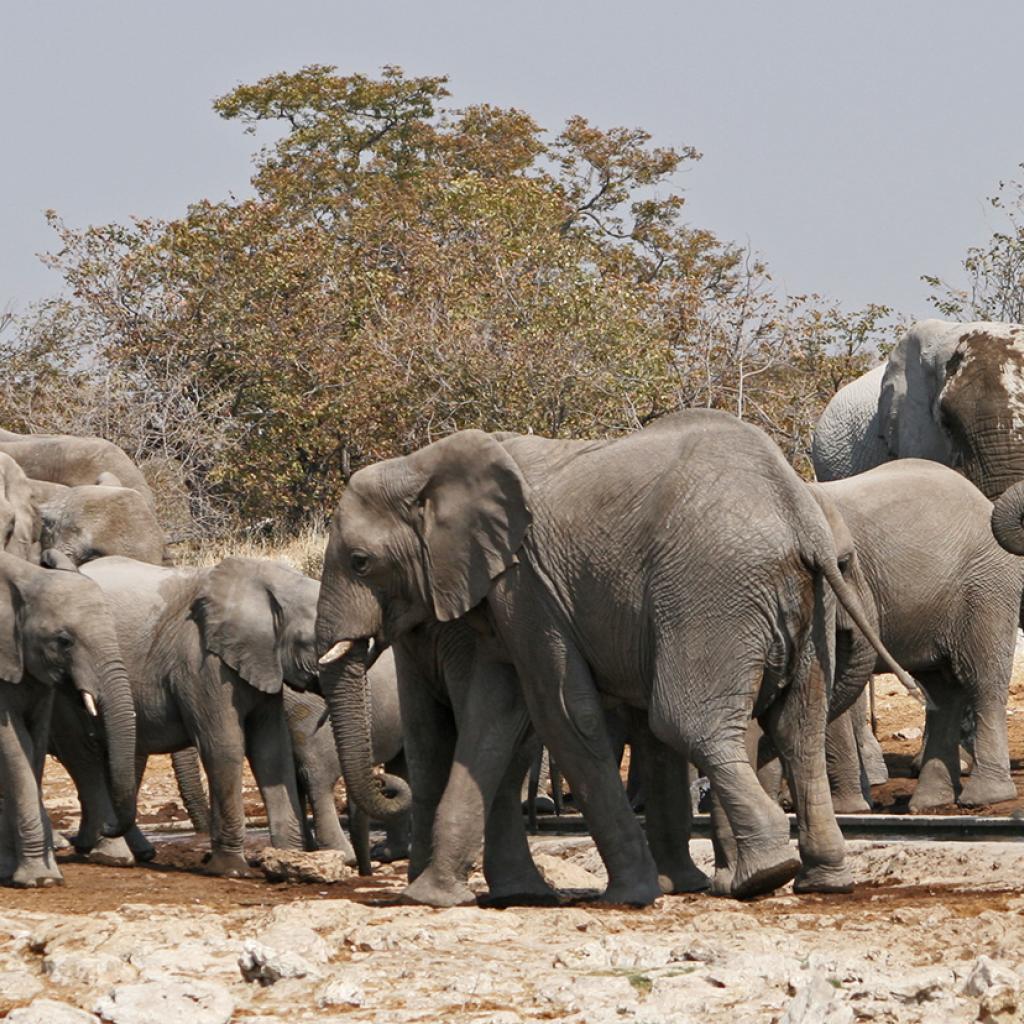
[(848, 598)]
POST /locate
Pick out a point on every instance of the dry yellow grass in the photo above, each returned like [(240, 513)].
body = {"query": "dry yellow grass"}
[(303, 551)]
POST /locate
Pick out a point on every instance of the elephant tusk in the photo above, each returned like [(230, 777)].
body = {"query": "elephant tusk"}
[(339, 650), (90, 703)]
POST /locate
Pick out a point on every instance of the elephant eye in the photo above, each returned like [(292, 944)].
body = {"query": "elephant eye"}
[(360, 563), (64, 639)]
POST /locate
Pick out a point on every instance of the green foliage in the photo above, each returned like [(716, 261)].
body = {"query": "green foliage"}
[(404, 270)]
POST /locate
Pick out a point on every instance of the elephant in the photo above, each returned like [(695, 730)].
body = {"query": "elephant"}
[(57, 637), (19, 520), (65, 459), (209, 651), (684, 571), (950, 392), (318, 771), (88, 521), (947, 603)]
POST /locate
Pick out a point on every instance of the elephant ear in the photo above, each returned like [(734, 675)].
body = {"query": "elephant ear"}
[(241, 622), (473, 517), (12, 610)]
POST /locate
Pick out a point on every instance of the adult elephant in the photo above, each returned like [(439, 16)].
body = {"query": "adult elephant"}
[(684, 570), (19, 520), (949, 392), (57, 635), (89, 521), (947, 603), (209, 651), (65, 459)]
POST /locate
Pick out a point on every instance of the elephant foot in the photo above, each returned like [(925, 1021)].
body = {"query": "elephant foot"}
[(931, 793), (523, 898), (426, 891), (978, 791), (721, 881), (682, 878), (835, 878), (112, 853), (140, 846), (850, 803), (60, 841), (36, 874), (228, 865), (638, 893), (759, 874), (389, 851)]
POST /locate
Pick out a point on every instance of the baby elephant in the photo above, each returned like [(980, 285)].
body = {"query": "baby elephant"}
[(947, 601)]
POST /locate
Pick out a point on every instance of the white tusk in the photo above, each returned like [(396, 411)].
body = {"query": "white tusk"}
[(370, 648), (90, 704), (339, 650)]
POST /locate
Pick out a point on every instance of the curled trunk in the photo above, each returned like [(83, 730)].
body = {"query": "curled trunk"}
[(1008, 519), (346, 689)]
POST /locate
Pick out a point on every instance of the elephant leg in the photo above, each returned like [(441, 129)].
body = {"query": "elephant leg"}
[(429, 753), (842, 759), (511, 874), (189, 777), (566, 709), (663, 774), (874, 770), (222, 752), (491, 721), (329, 833), (269, 749), (125, 851), (795, 722), (990, 780), (28, 859), (939, 780)]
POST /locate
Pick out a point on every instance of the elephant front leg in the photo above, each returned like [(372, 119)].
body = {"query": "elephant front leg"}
[(269, 748), (222, 760), (26, 859)]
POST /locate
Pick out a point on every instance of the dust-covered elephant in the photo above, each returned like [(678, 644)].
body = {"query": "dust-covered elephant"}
[(947, 602), (57, 636), (209, 651), (949, 392), (684, 570)]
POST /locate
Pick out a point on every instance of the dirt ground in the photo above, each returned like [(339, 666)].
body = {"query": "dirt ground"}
[(934, 931)]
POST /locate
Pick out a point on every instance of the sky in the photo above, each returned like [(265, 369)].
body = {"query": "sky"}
[(852, 144)]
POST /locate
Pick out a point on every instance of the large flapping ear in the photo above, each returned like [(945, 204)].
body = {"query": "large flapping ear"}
[(241, 622), (473, 517), (12, 610)]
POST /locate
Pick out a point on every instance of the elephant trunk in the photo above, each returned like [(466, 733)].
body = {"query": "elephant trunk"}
[(1008, 519), (346, 689)]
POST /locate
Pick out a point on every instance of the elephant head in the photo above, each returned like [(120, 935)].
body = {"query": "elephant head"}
[(414, 540), (56, 630), (954, 393), (259, 617), (91, 521)]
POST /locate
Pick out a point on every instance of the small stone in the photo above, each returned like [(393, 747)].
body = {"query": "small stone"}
[(911, 732), (90, 969), (816, 1003), (564, 874), (340, 992), (267, 965), (168, 1002), (319, 867), (49, 1011), (19, 986)]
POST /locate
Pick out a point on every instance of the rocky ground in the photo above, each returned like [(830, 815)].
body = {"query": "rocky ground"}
[(934, 932)]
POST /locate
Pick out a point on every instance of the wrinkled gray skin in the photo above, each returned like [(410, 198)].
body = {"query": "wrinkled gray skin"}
[(208, 651), (19, 520), (633, 569), (57, 636), (64, 459), (318, 771), (947, 603), (79, 524), (951, 393)]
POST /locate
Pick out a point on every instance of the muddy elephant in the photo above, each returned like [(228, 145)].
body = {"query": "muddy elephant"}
[(949, 392), (88, 521), (947, 602), (65, 459), (57, 638), (209, 651), (684, 570)]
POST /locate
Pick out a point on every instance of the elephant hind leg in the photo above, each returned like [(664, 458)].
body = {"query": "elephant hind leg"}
[(938, 782)]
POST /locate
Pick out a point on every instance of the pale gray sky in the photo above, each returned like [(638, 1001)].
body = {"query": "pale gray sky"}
[(853, 144)]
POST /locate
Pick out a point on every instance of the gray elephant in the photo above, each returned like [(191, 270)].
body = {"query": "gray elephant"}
[(209, 651), (89, 521), (949, 392), (318, 771), (684, 570), (65, 459), (19, 520), (947, 602), (57, 636)]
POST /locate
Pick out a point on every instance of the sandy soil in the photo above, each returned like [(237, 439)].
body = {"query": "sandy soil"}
[(935, 931)]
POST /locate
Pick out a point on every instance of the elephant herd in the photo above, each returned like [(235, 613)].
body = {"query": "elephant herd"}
[(492, 591)]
